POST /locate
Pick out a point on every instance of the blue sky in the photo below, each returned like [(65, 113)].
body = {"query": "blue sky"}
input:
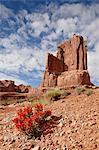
[(31, 28)]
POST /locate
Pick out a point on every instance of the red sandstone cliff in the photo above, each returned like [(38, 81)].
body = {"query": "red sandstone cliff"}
[(9, 86), (69, 67)]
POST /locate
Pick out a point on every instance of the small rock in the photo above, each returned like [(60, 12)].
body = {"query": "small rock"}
[(44, 148), (80, 145), (61, 122), (2, 107), (6, 138), (62, 133), (91, 139), (64, 148), (1, 138), (12, 141), (57, 134), (36, 148), (92, 123)]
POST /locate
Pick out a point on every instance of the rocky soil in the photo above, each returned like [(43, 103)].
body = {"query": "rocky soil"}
[(75, 127)]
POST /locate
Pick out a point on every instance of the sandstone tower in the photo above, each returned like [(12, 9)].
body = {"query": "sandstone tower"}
[(69, 67)]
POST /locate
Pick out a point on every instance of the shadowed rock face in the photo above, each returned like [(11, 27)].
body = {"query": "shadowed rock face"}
[(55, 65), (9, 86), (73, 53), (8, 89), (69, 67)]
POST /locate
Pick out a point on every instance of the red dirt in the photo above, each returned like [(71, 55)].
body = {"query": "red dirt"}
[(76, 129)]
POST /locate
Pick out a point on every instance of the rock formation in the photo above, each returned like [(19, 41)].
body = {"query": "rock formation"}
[(9, 86), (69, 67), (8, 89)]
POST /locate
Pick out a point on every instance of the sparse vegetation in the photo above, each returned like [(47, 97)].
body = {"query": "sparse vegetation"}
[(64, 93), (6, 101), (53, 94), (9, 101), (89, 92), (40, 101), (79, 89), (56, 94)]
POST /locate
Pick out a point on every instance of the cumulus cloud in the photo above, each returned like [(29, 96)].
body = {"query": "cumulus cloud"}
[(93, 61), (24, 52), (38, 23), (17, 80), (5, 12), (67, 26)]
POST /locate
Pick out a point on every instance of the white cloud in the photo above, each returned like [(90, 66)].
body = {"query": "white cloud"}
[(68, 26), (18, 81), (22, 61), (93, 61), (5, 12), (18, 56), (38, 23)]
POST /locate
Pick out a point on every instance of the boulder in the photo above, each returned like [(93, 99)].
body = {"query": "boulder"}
[(73, 78)]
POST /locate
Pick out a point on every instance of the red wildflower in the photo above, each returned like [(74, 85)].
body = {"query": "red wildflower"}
[(33, 117), (28, 121), (29, 110), (29, 124), (15, 120), (38, 113), (39, 107), (24, 126), (21, 116), (18, 125), (48, 113), (19, 111)]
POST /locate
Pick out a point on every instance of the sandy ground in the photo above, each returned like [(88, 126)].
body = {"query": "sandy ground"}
[(76, 126)]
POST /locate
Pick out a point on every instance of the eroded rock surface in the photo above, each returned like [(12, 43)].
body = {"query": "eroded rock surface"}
[(69, 67), (7, 86), (8, 89), (73, 78)]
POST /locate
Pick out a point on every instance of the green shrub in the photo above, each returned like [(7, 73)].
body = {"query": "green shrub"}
[(64, 93), (53, 94), (89, 92), (80, 89), (6, 101), (40, 101)]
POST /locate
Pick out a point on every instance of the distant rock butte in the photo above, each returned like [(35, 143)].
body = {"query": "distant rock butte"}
[(8, 89), (9, 86), (69, 66)]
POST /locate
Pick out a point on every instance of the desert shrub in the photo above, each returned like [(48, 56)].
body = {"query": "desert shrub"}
[(20, 100), (89, 92), (64, 93), (42, 101), (79, 90), (53, 94), (30, 121), (6, 101)]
